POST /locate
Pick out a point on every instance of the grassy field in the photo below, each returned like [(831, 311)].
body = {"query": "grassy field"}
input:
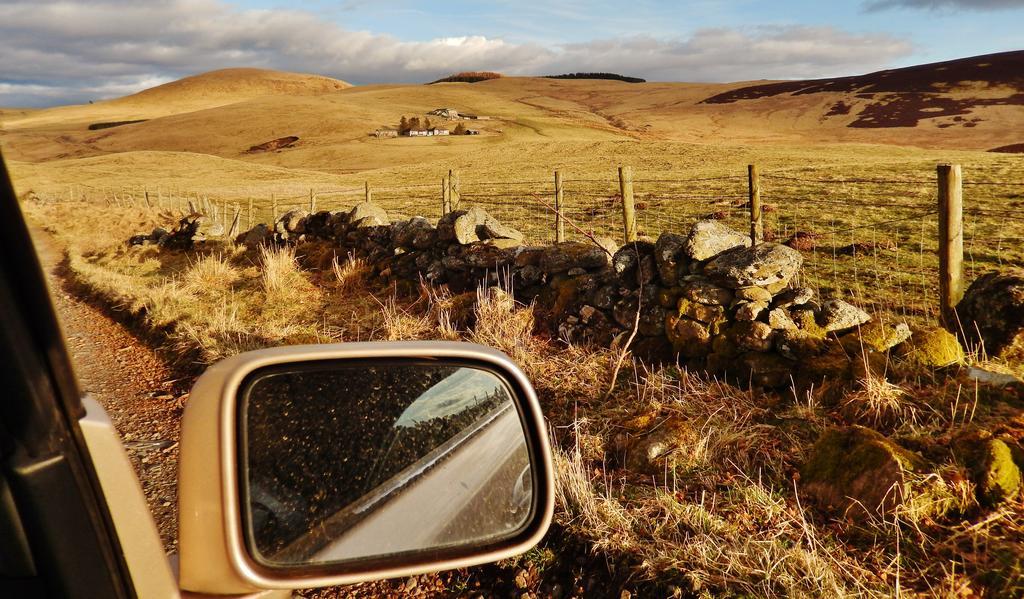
[(866, 214), (722, 515)]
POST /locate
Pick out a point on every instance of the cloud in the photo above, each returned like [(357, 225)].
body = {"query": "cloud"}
[(56, 51), (722, 54), (875, 5)]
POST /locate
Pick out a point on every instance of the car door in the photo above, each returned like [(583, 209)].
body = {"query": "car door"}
[(57, 537)]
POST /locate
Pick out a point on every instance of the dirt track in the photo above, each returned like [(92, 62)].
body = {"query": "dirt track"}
[(136, 387)]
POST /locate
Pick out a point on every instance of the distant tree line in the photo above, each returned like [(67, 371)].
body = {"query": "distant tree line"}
[(468, 77), (613, 76)]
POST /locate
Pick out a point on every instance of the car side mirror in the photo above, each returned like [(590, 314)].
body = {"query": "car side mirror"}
[(309, 466)]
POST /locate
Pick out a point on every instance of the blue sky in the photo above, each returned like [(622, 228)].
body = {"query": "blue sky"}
[(64, 51)]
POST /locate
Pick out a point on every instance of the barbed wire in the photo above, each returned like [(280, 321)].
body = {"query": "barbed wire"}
[(857, 180)]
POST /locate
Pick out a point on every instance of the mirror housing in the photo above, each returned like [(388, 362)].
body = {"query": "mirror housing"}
[(214, 556)]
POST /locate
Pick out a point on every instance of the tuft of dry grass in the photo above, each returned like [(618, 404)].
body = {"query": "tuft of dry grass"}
[(351, 275), (209, 274), (880, 403)]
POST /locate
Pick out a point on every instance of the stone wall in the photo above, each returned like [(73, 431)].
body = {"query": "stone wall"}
[(702, 297)]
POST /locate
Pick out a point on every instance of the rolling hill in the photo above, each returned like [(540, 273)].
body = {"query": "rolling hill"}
[(198, 92), (536, 123)]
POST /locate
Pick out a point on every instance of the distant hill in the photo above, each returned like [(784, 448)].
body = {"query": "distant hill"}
[(237, 84), (198, 92), (903, 97), (609, 76), (468, 77)]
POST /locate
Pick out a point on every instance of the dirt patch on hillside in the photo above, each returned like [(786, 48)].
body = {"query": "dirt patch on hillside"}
[(274, 144), (1010, 149)]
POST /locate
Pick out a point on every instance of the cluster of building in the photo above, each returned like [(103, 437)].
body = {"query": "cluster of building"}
[(446, 113)]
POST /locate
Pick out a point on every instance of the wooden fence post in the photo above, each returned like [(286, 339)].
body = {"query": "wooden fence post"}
[(951, 243), (756, 215), (234, 222), (146, 195), (273, 203), (250, 219), (454, 196), (445, 196), (367, 194), (628, 211), (312, 202), (559, 222)]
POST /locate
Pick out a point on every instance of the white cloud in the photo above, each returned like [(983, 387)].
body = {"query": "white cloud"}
[(946, 4), (74, 51)]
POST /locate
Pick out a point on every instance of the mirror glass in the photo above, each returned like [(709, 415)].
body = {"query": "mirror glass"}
[(344, 461)]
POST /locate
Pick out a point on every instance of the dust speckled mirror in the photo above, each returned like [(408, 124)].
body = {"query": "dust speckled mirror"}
[(357, 460)]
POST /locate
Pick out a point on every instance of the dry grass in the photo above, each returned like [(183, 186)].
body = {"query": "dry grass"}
[(350, 275), (717, 513)]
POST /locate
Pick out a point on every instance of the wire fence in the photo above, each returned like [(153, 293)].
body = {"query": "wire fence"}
[(873, 238)]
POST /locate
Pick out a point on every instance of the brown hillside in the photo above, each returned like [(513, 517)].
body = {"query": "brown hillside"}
[(903, 97), (198, 92), (235, 85)]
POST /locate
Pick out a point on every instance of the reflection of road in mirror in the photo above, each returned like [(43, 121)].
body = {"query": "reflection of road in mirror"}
[(464, 389), (469, 495), (370, 460)]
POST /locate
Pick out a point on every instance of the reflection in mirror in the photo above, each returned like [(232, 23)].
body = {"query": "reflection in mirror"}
[(348, 461)]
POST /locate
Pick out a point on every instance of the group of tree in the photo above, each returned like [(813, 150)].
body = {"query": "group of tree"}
[(612, 76), (406, 125), (468, 77)]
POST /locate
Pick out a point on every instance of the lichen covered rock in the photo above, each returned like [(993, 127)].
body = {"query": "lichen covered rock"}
[(709, 238), (560, 257), (763, 265), (992, 313), (933, 347), (857, 472), (997, 476), (837, 315)]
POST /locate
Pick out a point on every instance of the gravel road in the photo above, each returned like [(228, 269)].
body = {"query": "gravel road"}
[(138, 389)]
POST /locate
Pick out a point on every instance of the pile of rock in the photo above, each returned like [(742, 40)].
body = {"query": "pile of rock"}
[(192, 229), (706, 298)]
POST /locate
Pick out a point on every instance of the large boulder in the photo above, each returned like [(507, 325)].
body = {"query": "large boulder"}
[(292, 222), (669, 257), (634, 263), (766, 265), (458, 226), (706, 292), (366, 210), (688, 337), (857, 472), (492, 229), (996, 475), (416, 233), (256, 237), (709, 238), (837, 315), (882, 336), (932, 347), (992, 314), (561, 257)]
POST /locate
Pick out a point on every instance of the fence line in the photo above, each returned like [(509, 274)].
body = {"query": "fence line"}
[(906, 256)]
